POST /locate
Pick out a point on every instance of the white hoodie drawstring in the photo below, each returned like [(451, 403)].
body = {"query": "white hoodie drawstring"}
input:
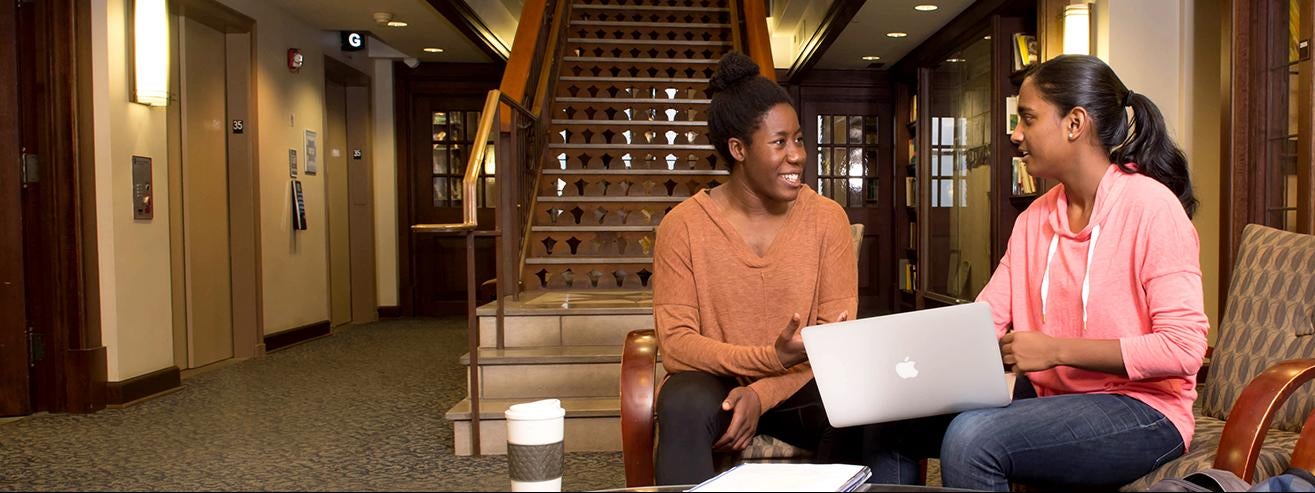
[(1086, 278)]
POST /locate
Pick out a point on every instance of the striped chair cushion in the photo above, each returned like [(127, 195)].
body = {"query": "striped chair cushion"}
[(765, 449)]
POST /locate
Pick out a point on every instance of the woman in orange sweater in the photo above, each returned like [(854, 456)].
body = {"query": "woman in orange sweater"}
[(737, 270)]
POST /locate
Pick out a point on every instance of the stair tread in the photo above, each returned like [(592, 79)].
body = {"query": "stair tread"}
[(616, 123), (661, 42), (609, 59), (662, 8), (667, 25), (587, 260), (569, 99), (567, 229), (574, 302), (576, 407), (680, 147), (550, 355), (665, 80), (636, 172), (612, 199)]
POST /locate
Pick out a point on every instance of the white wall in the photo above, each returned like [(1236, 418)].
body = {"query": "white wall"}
[(136, 316), (1168, 50)]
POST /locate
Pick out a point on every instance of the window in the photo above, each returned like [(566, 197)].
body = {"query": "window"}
[(453, 137), (1282, 68), (947, 161), (847, 158)]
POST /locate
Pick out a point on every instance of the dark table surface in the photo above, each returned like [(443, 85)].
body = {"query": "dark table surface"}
[(865, 487)]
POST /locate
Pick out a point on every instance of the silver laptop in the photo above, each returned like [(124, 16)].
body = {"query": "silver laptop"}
[(907, 365)]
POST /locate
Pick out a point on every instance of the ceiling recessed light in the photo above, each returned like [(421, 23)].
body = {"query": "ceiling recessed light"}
[(925, 8), (988, 36), (897, 35), (871, 58), (433, 50), (396, 24), (955, 60)]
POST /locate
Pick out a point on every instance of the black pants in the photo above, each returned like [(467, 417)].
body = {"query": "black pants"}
[(690, 420)]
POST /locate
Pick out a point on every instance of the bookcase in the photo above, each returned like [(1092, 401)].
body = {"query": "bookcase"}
[(962, 184)]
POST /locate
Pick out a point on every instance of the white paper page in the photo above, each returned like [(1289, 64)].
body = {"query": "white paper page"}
[(783, 477)]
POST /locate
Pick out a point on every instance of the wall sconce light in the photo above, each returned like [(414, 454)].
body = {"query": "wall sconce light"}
[(150, 42), (1077, 29)]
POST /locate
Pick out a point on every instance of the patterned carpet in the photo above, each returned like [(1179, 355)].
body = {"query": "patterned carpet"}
[(360, 410)]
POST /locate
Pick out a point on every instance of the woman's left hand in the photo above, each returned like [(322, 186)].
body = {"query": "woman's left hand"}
[(1029, 351)]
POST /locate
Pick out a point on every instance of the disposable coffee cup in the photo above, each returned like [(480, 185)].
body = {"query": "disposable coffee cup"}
[(534, 445)]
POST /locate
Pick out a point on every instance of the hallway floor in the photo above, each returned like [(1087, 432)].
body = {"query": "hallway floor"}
[(359, 410)]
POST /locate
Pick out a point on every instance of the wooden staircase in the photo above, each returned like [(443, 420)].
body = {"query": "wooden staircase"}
[(628, 139), (626, 142)]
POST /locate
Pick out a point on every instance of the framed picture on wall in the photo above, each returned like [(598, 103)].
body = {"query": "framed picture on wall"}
[(312, 153)]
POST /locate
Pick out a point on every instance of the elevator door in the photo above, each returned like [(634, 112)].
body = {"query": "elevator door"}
[(335, 179), (205, 196)]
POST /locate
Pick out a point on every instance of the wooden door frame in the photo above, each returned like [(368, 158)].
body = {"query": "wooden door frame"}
[(246, 291), (65, 307), (1243, 111), (870, 90), (427, 80), (15, 390), (348, 77)]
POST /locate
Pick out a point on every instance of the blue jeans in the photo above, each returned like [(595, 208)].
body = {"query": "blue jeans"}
[(1081, 439)]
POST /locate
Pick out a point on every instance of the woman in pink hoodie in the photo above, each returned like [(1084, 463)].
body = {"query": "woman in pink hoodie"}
[(1097, 303)]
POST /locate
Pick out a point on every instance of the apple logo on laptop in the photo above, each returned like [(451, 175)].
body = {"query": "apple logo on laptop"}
[(906, 369)]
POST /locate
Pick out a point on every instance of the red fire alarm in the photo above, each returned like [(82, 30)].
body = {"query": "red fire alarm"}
[(295, 60)]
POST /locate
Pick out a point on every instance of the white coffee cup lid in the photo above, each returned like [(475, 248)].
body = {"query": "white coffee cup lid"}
[(544, 409)]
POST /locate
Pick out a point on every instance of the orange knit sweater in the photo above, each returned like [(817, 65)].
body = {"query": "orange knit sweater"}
[(719, 307)]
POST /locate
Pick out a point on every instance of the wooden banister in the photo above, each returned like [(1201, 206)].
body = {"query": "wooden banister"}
[(758, 39), (516, 75)]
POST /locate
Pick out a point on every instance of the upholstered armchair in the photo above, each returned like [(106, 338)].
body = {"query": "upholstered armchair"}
[(1251, 409), (640, 381)]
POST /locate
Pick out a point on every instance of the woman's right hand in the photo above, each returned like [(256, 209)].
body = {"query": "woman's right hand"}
[(790, 344)]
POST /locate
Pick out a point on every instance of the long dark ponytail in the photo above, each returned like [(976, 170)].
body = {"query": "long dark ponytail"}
[(1070, 81)]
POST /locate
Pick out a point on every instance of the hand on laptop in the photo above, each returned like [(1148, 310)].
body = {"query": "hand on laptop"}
[(790, 344), (1029, 351), (746, 407)]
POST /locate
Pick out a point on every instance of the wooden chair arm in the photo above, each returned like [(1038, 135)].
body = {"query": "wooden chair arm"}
[(638, 406), (1303, 455), (1248, 421)]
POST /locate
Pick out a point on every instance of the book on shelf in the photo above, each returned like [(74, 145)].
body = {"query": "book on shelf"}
[(913, 108), (913, 236), (907, 271), (1024, 182), (1011, 114), (910, 191), (1025, 51), (902, 271), (788, 477)]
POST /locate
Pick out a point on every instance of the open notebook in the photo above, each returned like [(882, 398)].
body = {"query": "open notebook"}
[(788, 477)]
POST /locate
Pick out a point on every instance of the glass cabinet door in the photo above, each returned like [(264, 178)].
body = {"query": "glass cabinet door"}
[(959, 175)]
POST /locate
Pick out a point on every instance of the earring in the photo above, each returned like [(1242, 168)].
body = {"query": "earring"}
[(1070, 136)]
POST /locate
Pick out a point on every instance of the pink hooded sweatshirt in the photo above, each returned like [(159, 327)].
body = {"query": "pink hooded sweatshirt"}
[(1132, 274)]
